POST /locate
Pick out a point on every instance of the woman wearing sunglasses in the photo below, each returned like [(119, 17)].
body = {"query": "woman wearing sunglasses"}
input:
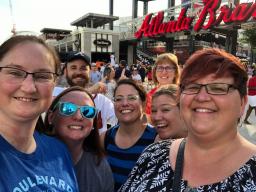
[(214, 156), (28, 72), (72, 117), (125, 142)]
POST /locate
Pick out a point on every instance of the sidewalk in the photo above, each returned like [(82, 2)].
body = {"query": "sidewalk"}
[(249, 132)]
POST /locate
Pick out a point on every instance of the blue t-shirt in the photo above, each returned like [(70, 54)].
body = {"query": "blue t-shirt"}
[(49, 168), (95, 77)]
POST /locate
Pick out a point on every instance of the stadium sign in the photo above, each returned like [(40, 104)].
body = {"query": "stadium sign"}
[(153, 26)]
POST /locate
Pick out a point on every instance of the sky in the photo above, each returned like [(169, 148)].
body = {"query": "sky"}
[(34, 15)]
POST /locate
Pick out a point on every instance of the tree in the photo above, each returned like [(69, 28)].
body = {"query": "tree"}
[(249, 36)]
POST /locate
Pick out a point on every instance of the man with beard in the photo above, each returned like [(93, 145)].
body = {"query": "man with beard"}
[(77, 73)]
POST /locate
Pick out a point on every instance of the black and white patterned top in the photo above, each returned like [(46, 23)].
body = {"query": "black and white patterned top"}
[(153, 173)]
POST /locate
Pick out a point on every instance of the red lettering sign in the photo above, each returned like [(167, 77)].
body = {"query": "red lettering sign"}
[(144, 26), (155, 26), (209, 9), (241, 13)]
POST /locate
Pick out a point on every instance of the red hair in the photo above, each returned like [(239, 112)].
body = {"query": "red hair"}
[(218, 62)]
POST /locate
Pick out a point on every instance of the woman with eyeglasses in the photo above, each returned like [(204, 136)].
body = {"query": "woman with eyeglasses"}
[(125, 142), (165, 113), (72, 117), (214, 156), (166, 71), (29, 160)]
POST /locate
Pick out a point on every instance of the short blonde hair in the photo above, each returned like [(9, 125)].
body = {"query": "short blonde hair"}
[(170, 90), (169, 58)]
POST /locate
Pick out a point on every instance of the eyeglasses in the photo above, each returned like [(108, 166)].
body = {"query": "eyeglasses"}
[(211, 88), (167, 68), (14, 75), (68, 109), (129, 98)]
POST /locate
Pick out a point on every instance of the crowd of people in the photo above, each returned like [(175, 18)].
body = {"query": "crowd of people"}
[(88, 129)]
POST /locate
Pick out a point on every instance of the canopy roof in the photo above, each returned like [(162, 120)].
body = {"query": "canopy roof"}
[(58, 31), (98, 20)]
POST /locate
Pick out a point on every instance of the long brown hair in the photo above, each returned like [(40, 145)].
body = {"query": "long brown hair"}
[(92, 141), (11, 43)]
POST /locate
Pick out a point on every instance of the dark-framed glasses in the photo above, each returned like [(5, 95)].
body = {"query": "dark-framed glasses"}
[(167, 68), (69, 109), (129, 98), (15, 75), (211, 88)]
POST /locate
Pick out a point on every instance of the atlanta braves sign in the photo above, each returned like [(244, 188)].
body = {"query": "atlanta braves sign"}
[(153, 26)]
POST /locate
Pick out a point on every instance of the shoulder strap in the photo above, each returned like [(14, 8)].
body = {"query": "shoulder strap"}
[(94, 96), (178, 167)]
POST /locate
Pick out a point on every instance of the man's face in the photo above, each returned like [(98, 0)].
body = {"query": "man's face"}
[(77, 73), (94, 68), (121, 65)]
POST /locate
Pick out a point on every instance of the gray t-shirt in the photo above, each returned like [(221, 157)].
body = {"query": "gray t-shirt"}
[(92, 177)]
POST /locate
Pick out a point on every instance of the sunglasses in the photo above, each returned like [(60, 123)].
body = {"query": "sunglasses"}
[(68, 109)]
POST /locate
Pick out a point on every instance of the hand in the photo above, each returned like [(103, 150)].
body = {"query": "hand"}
[(99, 87), (123, 75), (103, 80)]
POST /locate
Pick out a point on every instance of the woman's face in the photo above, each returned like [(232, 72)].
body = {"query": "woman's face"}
[(74, 127), (128, 105), (165, 73), (165, 116), (212, 115), (26, 98)]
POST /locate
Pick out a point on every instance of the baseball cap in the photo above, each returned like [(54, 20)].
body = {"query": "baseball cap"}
[(79, 55)]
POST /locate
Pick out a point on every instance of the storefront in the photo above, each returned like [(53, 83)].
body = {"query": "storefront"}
[(93, 37)]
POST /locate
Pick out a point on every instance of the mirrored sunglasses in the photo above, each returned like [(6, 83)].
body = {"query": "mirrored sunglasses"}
[(68, 109)]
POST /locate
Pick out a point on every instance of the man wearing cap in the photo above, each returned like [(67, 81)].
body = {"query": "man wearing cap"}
[(77, 73)]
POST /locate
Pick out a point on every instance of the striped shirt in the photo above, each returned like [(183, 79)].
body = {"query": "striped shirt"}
[(121, 160)]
